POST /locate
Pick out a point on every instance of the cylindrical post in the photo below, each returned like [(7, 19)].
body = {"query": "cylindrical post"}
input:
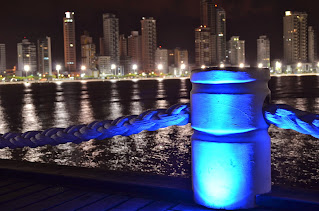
[(230, 145)]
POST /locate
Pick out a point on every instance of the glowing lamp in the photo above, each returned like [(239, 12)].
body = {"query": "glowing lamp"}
[(230, 144)]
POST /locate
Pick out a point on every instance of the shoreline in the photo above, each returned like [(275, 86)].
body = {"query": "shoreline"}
[(134, 79), (91, 80)]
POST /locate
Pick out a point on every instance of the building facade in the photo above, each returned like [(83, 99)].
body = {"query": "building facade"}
[(104, 65), (88, 51), (221, 35), (161, 60), (134, 44), (312, 45), (203, 46), (149, 43), (3, 65), (44, 56), (181, 57), (69, 43), (214, 18), (111, 37), (27, 58), (295, 29), (236, 51), (263, 51)]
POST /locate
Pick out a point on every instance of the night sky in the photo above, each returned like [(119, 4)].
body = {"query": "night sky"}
[(176, 20)]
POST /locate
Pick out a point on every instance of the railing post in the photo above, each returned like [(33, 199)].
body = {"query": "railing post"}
[(230, 144)]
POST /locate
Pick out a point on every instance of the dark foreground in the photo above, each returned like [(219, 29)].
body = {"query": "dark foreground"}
[(25, 186)]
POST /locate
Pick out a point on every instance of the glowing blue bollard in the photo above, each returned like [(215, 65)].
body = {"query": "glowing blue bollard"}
[(230, 145)]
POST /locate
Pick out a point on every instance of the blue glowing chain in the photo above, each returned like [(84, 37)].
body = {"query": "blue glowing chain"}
[(149, 120), (282, 116), (287, 117)]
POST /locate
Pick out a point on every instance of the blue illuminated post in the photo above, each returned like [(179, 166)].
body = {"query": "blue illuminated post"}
[(230, 145)]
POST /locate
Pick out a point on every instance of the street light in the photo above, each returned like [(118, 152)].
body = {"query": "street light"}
[(160, 67), (260, 65), (134, 67), (222, 65), (241, 65), (58, 68), (203, 67), (83, 67), (26, 69), (113, 67)]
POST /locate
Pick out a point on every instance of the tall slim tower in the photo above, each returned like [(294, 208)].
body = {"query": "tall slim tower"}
[(88, 51), (148, 43), (312, 45), (111, 37), (44, 56), (69, 42), (214, 18), (203, 46), (27, 55), (2, 58), (161, 60), (236, 50), (295, 37), (263, 51), (221, 35), (134, 42)]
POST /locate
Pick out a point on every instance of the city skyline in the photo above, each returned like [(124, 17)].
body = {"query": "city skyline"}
[(174, 20)]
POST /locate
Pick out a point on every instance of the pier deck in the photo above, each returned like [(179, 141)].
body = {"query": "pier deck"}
[(34, 186)]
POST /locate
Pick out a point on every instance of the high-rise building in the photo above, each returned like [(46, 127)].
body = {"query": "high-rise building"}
[(214, 18), (181, 57), (236, 51), (263, 51), (312, 45), (208, 14), (203, 46), (102, 52), (2, 58), (161, 60), (149, 43), (69, 42), (295, 37), (125, 60), (44, 56), (111, 37), (123, 46), (221, 35), (88, 51), (27, 57), (135, 48), (104, 65)]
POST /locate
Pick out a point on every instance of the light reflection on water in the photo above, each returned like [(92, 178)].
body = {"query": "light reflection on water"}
[(295, 157)]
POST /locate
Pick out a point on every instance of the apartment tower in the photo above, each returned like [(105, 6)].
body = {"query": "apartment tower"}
[(295, 37), (44, 56), (2, 58), (149, 44), (69, 42), (111, 37), (263, 51)]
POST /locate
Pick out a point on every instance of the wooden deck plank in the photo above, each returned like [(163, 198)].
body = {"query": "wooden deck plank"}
[(82, 201), (105, 203), (14, 187), (158, 206), (32, 198), (132, 204), (189, 207), (5, 182), (53, 200), (22, 192)]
